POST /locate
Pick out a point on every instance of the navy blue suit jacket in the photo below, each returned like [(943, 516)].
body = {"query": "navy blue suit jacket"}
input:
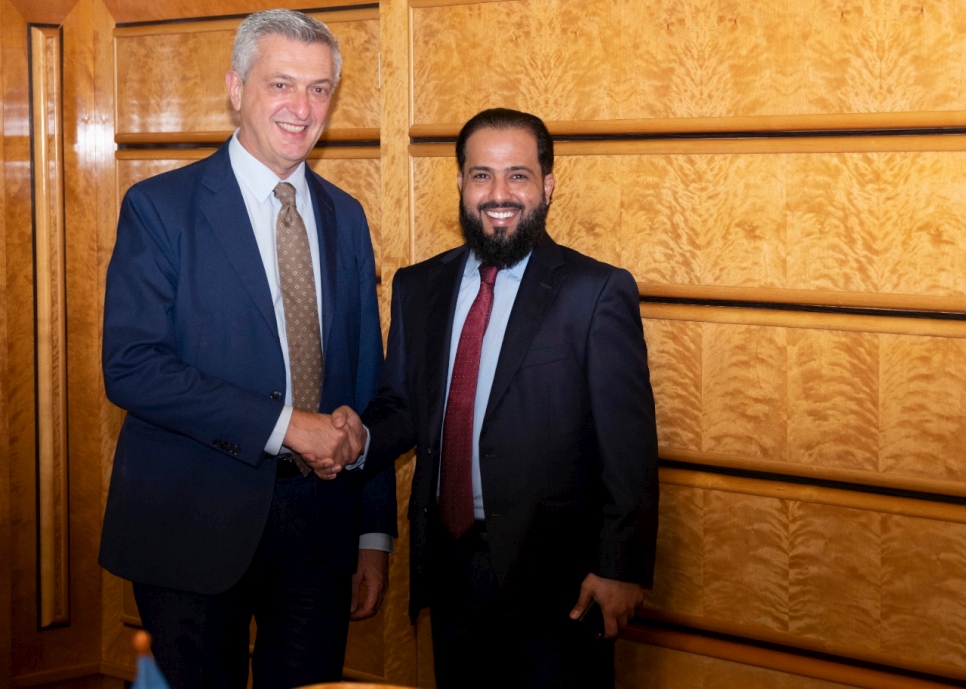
[(192, 352), (568, 447)]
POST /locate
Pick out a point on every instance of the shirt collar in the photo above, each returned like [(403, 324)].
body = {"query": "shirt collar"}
[(260, 180), (515, 271)]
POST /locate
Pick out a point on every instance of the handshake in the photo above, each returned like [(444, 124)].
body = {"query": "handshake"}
[(326, 442)]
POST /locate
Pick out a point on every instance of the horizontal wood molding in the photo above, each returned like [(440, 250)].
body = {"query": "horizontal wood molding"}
[(859, 122), (415, 4), (319, 153), (735, 145), (359, 676), (53, 537), (877, 300), (778, 660), (201, 25), (800, 319), (817, 473), (837, 497), (347, 135)]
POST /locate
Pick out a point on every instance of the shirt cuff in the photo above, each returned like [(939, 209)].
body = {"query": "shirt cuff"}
[(274, 444), (376, 541), (361, 462)]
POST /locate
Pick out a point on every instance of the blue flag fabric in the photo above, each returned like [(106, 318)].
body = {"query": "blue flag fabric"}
[(149, 676)]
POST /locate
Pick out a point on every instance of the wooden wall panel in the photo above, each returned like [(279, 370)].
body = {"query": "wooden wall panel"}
[(567, 60), (856, 583), (865, 402), (170, 77)]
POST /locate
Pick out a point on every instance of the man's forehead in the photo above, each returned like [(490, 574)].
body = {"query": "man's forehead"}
[(508, 144)]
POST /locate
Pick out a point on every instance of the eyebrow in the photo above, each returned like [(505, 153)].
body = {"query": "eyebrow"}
[(511, 168)]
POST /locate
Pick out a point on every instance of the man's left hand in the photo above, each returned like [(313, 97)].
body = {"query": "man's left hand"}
[(617, 601), (371, 581)]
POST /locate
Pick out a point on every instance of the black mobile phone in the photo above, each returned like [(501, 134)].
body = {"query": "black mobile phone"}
[(592, 620)]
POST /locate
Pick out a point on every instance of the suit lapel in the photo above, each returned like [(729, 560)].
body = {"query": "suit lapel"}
[(537, 290), (325, 224), (443, 287), (224, 209)]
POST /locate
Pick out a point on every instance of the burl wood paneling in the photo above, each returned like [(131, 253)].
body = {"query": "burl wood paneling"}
[(697, 58), (873, 223), (877, 403), (175, 81), (878, 587)]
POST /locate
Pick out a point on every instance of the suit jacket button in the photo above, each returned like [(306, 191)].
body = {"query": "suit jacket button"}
[(276, 394)]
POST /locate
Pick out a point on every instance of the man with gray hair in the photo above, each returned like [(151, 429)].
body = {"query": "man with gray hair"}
[(240, 322)]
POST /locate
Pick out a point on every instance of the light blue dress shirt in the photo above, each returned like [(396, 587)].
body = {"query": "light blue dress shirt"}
[(504, 295)]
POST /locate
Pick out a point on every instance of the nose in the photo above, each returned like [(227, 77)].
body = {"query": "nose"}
[(299, 104), (499, 191)]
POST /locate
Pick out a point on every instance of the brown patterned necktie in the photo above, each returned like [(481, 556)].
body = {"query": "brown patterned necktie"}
[(456, 470), (297, 280)]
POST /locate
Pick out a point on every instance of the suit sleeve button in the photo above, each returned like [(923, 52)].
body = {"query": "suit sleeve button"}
[(276, 394)]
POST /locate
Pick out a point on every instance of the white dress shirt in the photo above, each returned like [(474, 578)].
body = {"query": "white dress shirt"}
[(257, 184)]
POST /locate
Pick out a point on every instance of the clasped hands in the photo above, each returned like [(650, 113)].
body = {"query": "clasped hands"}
[(327, 442)]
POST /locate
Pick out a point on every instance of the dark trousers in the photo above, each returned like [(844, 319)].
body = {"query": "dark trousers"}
[(300, 603), (482, 638)]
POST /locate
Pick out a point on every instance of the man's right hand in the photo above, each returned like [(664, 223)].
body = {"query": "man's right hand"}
[(326, 443), (343, 418)]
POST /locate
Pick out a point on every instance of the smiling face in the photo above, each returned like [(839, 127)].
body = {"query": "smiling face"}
[(501, 182), (284, 102)]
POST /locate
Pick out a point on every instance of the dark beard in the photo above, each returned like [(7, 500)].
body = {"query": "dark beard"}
[(504, 250)]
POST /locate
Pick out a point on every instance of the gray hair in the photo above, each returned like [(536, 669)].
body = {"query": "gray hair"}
[(290, 24)]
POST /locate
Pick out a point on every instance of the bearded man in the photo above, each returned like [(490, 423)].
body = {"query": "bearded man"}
[(518, 369)]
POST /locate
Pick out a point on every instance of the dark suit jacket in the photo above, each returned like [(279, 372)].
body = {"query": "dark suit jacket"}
[(192, 352), (568, 448)]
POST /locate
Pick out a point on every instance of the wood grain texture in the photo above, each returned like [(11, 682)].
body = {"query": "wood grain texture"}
[(669, 659), (435, 207), (876, 587), (19, 398), (697, 58), (561, 84), (923, 406), (862, 402), (924, 590), (833, 399), (176, 82), (746, 559), (744, 404), (6, 550), (834, 574), (669, 668), (50, 283), (680, 552), (675, 363)]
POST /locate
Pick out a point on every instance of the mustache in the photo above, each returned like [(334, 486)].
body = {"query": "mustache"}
[(496, 205)]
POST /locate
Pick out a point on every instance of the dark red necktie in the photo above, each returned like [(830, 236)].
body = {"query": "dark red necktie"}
[(456, 471)]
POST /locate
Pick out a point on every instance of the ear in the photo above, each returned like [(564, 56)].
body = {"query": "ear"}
[(235, 86), (548, 182), (459, 181)]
